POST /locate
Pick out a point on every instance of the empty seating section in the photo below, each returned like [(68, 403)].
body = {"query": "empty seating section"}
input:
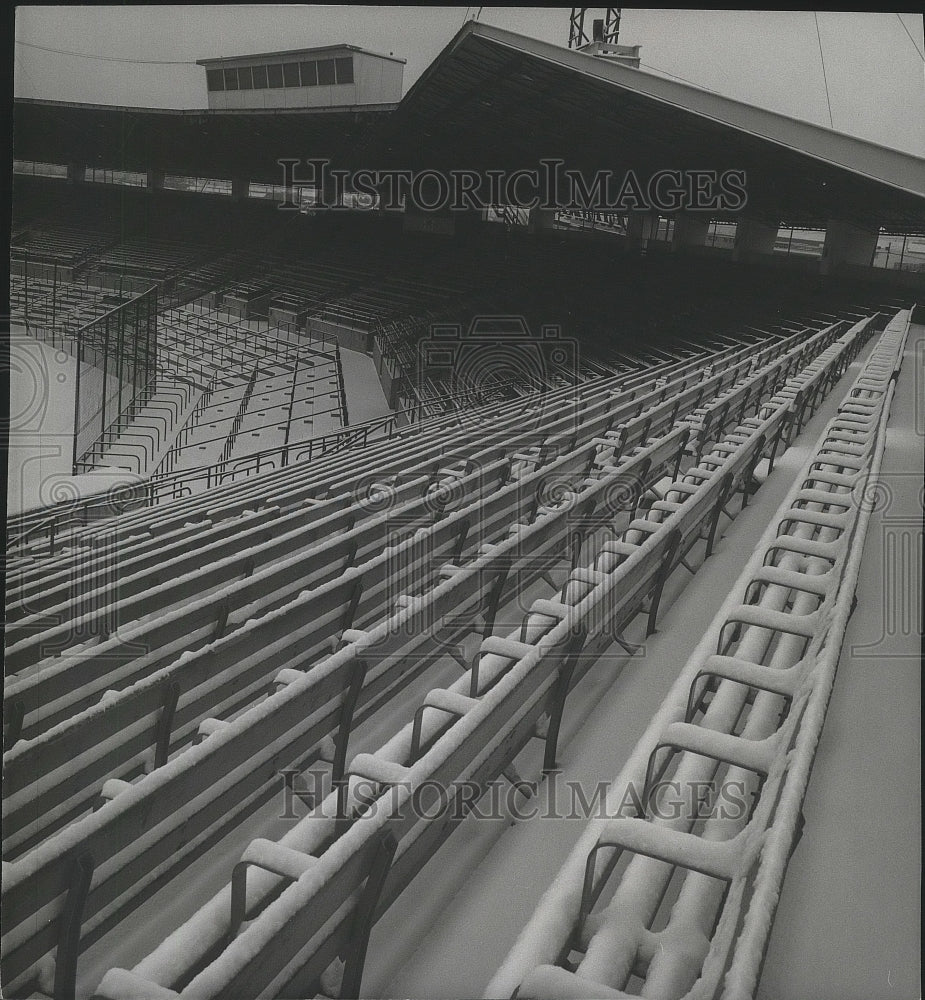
[(54, 311), (303, 276), (261, 389), (281, 579), (689, 911), (467, 733), (61, 230), (43, 533), (226, 635)]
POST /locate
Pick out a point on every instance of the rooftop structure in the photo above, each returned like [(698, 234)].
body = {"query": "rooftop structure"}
[(325, 76)]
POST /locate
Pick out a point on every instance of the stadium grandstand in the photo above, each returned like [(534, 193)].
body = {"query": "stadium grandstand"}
[(465, 601)]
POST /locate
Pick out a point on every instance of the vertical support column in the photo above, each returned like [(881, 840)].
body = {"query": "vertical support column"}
[(239, 188), (690, 231), (847, 244), (542, 219), (79, 359), (69, 927), (753, 238), (154, 181), (641, 228)]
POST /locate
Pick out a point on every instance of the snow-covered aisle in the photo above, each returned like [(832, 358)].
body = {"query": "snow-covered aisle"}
[(41, 425), (848, 924), (453, 927), (41, 421), (365, 398)]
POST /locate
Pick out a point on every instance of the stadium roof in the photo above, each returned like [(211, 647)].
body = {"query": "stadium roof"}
[(494, 99)]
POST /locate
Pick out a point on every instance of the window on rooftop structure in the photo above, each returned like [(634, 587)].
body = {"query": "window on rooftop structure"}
[(325, 72), (344, 68), (231, 79), (309, 72), (259, 74), (215, 79), (275, 75), (245, 80), (291, 74)]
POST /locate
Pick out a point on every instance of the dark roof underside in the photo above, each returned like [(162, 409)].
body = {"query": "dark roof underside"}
[(197, 143), (493, 99)]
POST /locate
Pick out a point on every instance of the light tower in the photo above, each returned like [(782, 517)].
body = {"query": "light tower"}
[(604, 34), (606, 29)]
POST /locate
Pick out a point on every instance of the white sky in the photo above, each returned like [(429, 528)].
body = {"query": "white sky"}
[(875, 70)]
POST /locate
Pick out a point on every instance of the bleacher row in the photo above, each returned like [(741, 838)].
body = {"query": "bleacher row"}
[(373, 280), (274, 384), (55, 311), (292, 906), (61, 243), (184, 648), (688, 912), (101, 237), (202, 360)]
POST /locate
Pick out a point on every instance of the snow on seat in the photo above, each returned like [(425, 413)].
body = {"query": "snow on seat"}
[(506, 648), (452, 702), (811, 495), (721, 859), (814, 548), (818, 518), (804, 625), (549, 982), (298, 717), (777, 680), (582, 574), (619, 548), (786, 671), (120, 984), (756, 755), (272, 857), (207, 727)]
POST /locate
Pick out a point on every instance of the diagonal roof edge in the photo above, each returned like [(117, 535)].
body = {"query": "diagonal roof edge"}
[(882, 164)]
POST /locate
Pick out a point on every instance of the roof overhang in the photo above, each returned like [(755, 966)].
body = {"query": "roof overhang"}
[(494, 99), (208, 143)]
